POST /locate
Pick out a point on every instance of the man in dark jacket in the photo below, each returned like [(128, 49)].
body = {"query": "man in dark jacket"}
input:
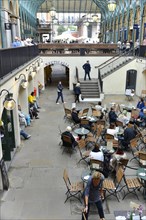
[(87, 69), (129, 134), (77, 91), (75, 116)]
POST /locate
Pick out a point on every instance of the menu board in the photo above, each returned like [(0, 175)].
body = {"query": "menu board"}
[(5, 179)]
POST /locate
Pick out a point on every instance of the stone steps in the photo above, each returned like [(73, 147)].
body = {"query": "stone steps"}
[(90, 88)]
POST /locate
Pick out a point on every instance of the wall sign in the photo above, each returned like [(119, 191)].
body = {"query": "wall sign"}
[(7, 26)]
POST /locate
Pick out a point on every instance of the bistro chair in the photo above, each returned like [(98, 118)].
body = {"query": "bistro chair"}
[(142, 158), (67, 144), (84, 113), (67, 116), (83, 153), (95, 112), (113, 187), (73, 189), (132, 185), (134, 148)]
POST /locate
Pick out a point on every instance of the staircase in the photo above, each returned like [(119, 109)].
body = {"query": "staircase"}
[(90, 89), (114, 64)]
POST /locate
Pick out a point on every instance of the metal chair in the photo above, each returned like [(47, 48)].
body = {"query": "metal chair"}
[(73, 189)]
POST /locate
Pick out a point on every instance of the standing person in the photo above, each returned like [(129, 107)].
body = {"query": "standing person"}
[(92, 194), (60, 94), (87, 69), (77, 91), (112, 116)]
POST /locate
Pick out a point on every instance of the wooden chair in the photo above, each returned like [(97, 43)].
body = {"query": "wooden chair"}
[(143, 93), (73, 189), (113, 187), (134, 148), (83, 153), (67, 115), (119, 124), (84, 113), (142, 158), (101, 122), (132, 186), (67, 144), (84, 121), (95, 112)]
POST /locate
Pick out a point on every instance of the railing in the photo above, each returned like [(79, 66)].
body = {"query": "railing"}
[(13, 58), (77, 49)]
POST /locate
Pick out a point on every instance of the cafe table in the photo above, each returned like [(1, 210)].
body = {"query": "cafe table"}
[(81, 132), (141, 173)]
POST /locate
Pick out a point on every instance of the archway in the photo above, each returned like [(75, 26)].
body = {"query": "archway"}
[(56, 71)]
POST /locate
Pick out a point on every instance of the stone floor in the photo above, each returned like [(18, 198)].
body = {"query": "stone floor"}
[(37, 190)]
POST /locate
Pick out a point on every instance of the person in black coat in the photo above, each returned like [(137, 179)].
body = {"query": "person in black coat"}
[(129, 134), (69, 134), (112, 116), (87, 69), (77, 92), (75, 116)]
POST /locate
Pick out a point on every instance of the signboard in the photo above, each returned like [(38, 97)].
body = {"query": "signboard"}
[(5, 180), (7, 26), (135, 26)]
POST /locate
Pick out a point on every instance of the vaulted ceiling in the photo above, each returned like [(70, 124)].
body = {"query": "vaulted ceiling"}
[(69, 6)]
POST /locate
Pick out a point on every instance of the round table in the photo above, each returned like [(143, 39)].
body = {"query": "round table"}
[(81, 131)]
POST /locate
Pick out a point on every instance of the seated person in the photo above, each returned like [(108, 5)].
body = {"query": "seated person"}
[(24, 117), (112, 116), (75, 116), (140, 104), (123, 118), (24, 134), (96, 154), (98, 107), (129, 134), (142, 118), (33, 113), (32, 101), (69, 134)]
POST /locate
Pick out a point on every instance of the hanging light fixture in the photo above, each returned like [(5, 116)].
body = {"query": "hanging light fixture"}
[(111, 5), (52, 12), (95, 18), (24, 82), (9, 102)]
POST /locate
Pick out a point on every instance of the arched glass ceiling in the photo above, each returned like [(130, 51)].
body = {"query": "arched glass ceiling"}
[(68, 6)]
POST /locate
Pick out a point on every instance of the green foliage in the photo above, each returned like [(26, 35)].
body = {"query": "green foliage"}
[(61, 29)]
